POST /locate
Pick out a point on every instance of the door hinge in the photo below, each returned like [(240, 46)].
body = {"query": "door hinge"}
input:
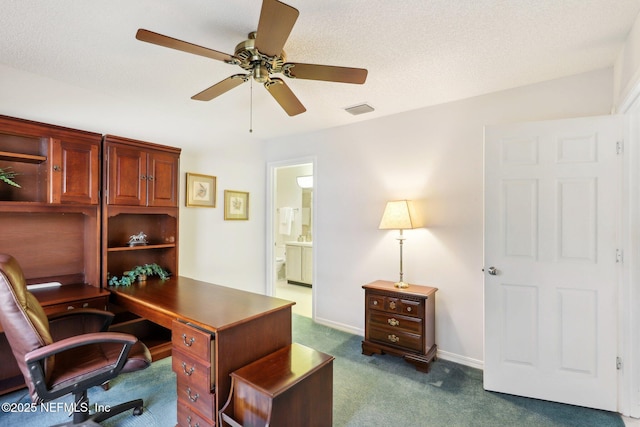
[(618, 363), (619, 147), (619, 257)]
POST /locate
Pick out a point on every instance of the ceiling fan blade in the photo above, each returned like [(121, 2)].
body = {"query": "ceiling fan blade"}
[(284, 96), (327, 73), (170, 42), (275, 25), (221, 87)]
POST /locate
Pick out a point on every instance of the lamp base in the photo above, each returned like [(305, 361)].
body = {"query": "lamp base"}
[(401, 285)]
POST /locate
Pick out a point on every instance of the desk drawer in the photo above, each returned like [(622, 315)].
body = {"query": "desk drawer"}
[(97, 303), (202, 400), (193, 371), (192, 341), (189, 418)]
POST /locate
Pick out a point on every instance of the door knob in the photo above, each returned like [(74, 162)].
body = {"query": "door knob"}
[(493, 271)]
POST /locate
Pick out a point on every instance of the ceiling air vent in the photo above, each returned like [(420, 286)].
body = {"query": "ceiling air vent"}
[(359, 109)]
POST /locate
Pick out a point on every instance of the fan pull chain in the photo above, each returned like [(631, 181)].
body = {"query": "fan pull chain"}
[(251, 108)]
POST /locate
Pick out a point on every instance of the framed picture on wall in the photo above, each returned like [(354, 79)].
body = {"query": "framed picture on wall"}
[(236, 205), (201, 190)]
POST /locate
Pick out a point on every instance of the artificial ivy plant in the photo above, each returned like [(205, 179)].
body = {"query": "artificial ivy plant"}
[(140, 270), (7, 176)]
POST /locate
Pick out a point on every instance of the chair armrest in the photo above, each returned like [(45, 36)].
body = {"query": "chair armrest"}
[(42, 353), (36, 360)]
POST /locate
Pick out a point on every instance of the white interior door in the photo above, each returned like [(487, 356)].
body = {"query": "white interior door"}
[(552, 206)]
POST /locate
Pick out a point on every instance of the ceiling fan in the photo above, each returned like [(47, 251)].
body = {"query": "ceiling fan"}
[(262, 55)]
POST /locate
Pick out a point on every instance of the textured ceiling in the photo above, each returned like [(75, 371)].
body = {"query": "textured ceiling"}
[(79, 53)]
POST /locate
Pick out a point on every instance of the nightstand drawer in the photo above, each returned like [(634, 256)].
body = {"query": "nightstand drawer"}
[(395, 305), (193, 371), (191, 340), (396, 338), (395, 321)]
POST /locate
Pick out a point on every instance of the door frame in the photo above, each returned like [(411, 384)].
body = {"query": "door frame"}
[(270, 224), (629, 295)]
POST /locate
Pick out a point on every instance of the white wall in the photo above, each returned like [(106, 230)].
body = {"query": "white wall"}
[(433, 155), (228, 253)]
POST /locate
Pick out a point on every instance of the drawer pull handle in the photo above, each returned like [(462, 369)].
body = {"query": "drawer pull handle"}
[(189, 422), (393, 322), (409, 309), (190, 371), (191, 341), (70, 307), (194, 397), (375, 303), (393, 338), (392, 305)]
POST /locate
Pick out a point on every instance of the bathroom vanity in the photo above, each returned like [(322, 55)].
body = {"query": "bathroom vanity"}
[(299, 263)]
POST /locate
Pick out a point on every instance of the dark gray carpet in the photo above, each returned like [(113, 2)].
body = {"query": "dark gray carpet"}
[(368, 391)]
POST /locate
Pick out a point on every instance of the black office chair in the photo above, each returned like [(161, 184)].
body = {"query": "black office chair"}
[(67, 353)]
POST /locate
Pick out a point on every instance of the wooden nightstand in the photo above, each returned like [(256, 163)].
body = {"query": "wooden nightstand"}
[(400, 322)]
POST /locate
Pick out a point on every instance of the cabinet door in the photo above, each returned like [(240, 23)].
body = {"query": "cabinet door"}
[(162, 179), (74, 172), (307, 265), (127, 176), (294, 264)]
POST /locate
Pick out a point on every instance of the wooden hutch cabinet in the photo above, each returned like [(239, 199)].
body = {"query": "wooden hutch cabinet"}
[(51, 224), (140, 173), (140, 195)]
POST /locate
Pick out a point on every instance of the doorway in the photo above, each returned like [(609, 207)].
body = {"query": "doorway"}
[(291, 242)]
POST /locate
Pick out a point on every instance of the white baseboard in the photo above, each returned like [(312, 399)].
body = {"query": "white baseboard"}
[(463, 360), (339, 326)]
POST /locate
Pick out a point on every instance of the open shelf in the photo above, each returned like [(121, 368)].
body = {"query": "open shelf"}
[(21, 157), (141, 248)]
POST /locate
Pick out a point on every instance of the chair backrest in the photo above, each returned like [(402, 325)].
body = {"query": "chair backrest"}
[(24, 321)]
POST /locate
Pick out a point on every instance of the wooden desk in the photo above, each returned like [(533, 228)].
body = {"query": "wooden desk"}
[(243, 327)]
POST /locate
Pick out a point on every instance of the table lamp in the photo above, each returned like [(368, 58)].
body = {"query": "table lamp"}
[(399, 215)]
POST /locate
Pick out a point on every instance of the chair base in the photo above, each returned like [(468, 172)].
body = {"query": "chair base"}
[(94, 420)]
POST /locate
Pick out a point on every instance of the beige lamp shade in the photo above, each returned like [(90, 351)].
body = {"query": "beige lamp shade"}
[(399, 215)]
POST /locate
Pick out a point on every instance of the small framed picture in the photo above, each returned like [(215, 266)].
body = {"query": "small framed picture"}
[(236, 205), (201, 190)]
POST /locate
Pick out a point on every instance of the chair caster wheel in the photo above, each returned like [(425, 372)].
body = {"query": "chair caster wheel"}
[(137, 411)]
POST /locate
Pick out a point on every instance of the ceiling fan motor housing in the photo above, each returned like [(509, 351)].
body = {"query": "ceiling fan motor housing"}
[(260, 65)]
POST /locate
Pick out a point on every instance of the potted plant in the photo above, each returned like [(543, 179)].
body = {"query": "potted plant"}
[(138, 272), (7, 176)]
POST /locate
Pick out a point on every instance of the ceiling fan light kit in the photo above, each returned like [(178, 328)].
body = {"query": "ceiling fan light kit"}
[(261, 55)]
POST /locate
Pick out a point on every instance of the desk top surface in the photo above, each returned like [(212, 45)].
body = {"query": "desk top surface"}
[(209, 306)]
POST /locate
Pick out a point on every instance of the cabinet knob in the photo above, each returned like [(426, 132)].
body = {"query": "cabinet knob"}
[(57, 168), (409, 309), (143, 177), (150, 177), (393, 338), (393, 322), (375, 303), (392, 305)]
